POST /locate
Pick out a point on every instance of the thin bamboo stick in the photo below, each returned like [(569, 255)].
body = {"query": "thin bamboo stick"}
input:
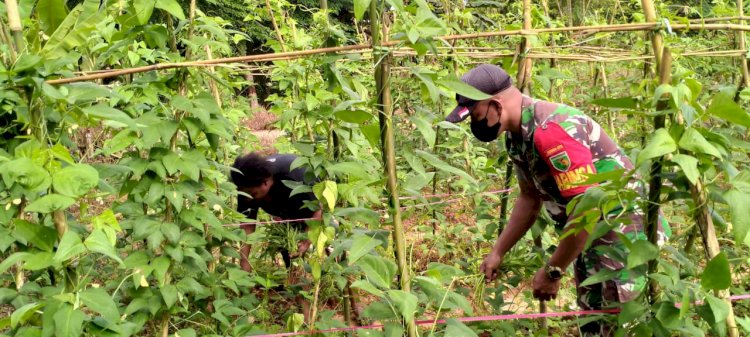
[(14, 23), (741, 46)]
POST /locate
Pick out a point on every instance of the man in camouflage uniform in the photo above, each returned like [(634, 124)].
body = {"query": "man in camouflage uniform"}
[(554, 148)]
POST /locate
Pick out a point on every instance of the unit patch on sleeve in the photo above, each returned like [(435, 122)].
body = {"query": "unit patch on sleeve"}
[(568, 160)]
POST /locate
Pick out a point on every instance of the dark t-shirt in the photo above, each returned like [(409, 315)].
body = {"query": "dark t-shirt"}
[(279, 203)]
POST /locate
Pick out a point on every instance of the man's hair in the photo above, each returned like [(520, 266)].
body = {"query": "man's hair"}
[(250, 170)]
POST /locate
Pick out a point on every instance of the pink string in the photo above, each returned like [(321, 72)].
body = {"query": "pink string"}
[(477, 319)]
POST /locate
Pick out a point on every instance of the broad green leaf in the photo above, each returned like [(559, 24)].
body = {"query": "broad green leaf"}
[(172, 162), (70, 246), (353, 116), (98, 242), (104, 112), (368, 287), (360, 7), (169, 294), (86, 92), (717, 275), (378, 270), (11, 260), (379, 311), (719, 307), (641, 252), (692, 140), (161, 267), (443, 166), (668, 315), (361, 246), (630, 311), (463, 89), (50, 203), (353, 169), (425, 128), (327, 191), (406, 303), (143, 10), (454, 328), (50, 13), (41, 236), (22, 314), (659, 144), (617, 103), (102, 303), (26, 173), (172, 7), (602, 276), (37, 261), (60, 152), (68, 321), (75, 180), (689, 166), (724, 107), (738, 201)]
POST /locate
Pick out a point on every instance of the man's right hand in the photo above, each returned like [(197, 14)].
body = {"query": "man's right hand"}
[(490, 266)]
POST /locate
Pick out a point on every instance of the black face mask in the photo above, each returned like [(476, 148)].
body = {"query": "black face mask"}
[(483, 132)]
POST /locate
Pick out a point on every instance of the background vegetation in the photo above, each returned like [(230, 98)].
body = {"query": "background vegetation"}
[(116, 210)]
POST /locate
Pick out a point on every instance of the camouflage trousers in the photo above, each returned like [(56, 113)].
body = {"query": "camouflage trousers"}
[(620, 289)]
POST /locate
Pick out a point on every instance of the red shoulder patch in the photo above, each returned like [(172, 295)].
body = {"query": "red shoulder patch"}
[(568, 159)]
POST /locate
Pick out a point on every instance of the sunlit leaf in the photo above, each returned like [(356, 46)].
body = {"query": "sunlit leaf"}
[(172, 7), (361, 246), (659, 144), (724, 107), (689, 166), (717, 275), (360, 7), (692, 140), (642, 252)]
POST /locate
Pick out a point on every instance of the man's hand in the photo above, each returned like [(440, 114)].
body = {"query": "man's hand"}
[(490, 265), (302, 248), (543, 288)]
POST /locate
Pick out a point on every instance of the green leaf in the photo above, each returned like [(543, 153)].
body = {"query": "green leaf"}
[(41, 236), (368, 287), (724, 107), (328, 192), (425, 128), (98, 242), (37, 261), (169, 294), (631, 311), (443, 166), (68, 321), (661, 143), (172, 162), (102, 303), (454, 328), (641, 252), (378, 270), (405, 302), (172, 7), (11, 260), (50, 203), (463, 89), (26, 173), (60, 152), (353, 169), (23, 313), (161, 267), (104, 112), (617, 103), (362, 245), (353, 116), (50, 13), (738, 202), (143, 10), (360, 7), (717, 275), (719, 307), (692, 140), (75, 180), (689, 166), (602, 276), (70, 246)]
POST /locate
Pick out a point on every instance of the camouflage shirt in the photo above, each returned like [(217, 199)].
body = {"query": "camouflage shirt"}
[(558, 145)]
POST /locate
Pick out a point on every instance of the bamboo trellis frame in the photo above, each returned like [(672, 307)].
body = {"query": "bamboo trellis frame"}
[(628, 27)]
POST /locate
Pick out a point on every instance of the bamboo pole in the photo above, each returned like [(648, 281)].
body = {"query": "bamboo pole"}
[(14, 23), (741, 46), (654, 192), (275, 26), (384, 108), (297, 54)]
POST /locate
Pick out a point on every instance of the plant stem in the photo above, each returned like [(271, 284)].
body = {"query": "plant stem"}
[(275, 26), (741, 46), (14, 22)]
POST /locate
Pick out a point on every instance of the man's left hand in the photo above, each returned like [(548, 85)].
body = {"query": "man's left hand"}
[(544, 288), (302, 248)]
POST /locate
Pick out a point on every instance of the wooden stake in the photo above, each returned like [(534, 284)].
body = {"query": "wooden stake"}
[(14, 23), (275, 26), (741, 46), (384, 109)]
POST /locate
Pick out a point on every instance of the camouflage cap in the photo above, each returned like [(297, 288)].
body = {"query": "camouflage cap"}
[(487, 78)]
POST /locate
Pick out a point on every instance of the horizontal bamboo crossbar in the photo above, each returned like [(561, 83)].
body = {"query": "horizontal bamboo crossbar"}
[(628, 27)]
